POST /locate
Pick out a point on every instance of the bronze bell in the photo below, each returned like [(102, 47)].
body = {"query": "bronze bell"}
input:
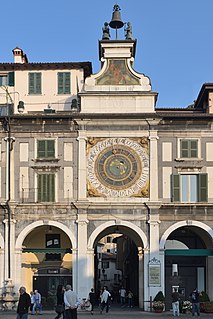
[(116, 22)]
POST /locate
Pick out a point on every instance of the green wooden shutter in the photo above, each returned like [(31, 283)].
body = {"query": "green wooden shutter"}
[(37, 83), (67, 83), (11, 78), (184, 148), (41, 149), (46, 187), (203, 187), (63, 82), (193, 148), (175, 188), (50, 148), (31, 83)]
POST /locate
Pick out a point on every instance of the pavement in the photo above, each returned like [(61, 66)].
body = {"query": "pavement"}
[(115, 313)]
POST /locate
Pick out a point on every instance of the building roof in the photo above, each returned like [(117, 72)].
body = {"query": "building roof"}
[(87, 66)]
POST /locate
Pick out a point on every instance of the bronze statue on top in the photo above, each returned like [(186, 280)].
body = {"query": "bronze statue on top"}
[(106, 35), (128, 31)]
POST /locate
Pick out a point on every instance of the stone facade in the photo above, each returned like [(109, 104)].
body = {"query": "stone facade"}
[(114, 163)]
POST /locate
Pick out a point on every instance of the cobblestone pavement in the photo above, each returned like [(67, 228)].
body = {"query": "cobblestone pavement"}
[(113, 314)]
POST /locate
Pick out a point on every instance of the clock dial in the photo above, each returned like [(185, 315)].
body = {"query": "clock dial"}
[(117, 167)]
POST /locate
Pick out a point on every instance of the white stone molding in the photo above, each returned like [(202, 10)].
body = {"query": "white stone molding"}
[(177, 225), (153, 165), (82, 166), (127, 224)]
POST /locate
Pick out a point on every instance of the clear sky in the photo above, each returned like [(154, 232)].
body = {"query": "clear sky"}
[(174, 38)]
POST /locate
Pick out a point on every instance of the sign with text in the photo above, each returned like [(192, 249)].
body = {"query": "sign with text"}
[(154, 273)]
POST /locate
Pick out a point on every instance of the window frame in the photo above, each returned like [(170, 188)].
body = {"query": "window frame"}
[(36, 87), (48, 154), (189, 149), (201, 192), (47, 197), (63, 87)]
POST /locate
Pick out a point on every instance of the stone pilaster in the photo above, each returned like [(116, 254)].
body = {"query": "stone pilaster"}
[(82, 168), (153, 165)]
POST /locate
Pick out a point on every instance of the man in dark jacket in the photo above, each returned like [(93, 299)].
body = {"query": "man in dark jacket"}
[(23, 304)]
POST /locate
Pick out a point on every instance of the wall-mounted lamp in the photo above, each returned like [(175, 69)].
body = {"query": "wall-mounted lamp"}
[(20, 106)]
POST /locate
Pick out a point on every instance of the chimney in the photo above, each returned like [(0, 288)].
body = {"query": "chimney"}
[(19, 56)]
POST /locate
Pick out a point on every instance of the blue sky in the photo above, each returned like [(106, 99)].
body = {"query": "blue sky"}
[(174, 38)]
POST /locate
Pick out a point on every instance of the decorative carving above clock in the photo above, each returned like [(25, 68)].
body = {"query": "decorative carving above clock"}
[(118, 167)]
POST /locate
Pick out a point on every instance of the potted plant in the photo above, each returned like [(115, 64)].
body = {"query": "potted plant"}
[(204, 301), (159, 302)]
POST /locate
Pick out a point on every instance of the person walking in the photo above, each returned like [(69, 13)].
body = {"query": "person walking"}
[(175, 303), (71, 303), (23, 304), (60, 302), (122, 293), (130, 298), (37, 303), (32, 300), (105, 299), (92, 299), (195, 299)]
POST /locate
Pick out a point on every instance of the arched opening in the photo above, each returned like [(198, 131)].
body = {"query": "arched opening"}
[(118, 262), (188, 253), (46, 261)]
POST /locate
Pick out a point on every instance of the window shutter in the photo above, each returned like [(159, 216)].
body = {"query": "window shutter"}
[(11, 78), (193, 148), (41, 149), (203, 187), (67, 83), (60, 83), (46, 187), (50, 148), (31, 83), (175, 188), (184, 151), (37, 83)]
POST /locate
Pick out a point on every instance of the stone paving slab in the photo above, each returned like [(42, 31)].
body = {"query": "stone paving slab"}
[(113, 314)]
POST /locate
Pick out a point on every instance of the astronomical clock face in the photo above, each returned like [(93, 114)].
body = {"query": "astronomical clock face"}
[(118, 167)]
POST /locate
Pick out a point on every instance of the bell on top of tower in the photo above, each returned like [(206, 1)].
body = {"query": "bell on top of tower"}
[(116, 22)]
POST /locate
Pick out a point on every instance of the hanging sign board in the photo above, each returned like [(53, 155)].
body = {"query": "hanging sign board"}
[(154, 273)]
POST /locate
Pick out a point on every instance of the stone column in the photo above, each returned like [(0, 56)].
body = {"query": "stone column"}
[(82, 285), (154, 239), (18, 273), (209, 276), (75, 269), (90, 268), (153, 165), (141, 277), (1, 267), (145, 278), (82, 166)]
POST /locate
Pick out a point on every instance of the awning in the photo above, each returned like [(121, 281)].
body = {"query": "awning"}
[(189, 252), (48, 250)]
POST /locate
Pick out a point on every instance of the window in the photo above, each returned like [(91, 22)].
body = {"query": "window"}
[(35, 83), (7, 79), (190, 188), (105, 264), (46, 187), (64, 83), (188, 148), (53, 241), (45, 149)]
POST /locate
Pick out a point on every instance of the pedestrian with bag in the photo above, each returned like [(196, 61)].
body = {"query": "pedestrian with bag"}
[(60, 302), (92, 299), (195, 299)]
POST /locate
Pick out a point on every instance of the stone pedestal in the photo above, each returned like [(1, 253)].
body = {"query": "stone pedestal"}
[(9, 297)]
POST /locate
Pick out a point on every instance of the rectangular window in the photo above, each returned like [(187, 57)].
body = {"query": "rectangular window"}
[(190, 188), (35, 83), (188, 148), (46, 149), (3, 80), (7, 79), (63, 82), (105, 264), (46, 187), (53, 241)]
